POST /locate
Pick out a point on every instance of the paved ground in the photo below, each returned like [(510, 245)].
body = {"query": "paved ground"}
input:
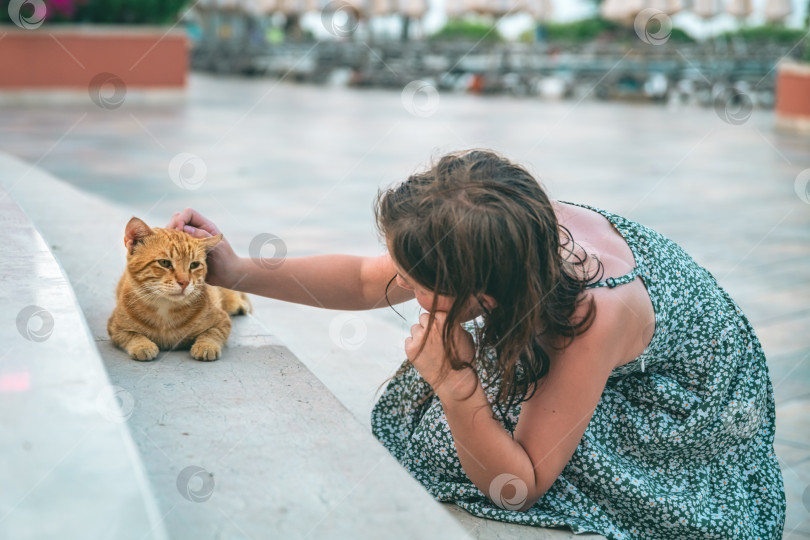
[(304, 163)]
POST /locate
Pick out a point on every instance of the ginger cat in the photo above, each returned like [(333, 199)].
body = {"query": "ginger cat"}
[(163, 301)]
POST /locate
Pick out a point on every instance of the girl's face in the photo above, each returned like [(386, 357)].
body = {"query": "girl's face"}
[(443, 303), (423, 296)]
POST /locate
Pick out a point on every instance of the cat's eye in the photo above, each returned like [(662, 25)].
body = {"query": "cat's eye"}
[(165, 263), (194, 265)]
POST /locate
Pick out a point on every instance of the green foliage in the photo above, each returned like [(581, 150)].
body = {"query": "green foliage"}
[(582, 30), (595, 28), (113, 11), (806, 55), (680, 36), (466, 29), (768, 33)]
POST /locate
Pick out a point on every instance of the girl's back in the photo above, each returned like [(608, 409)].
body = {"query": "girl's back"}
[(681, 442)]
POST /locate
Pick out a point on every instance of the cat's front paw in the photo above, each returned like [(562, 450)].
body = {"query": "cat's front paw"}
[(245, 306), (143, 351), (205, 351)]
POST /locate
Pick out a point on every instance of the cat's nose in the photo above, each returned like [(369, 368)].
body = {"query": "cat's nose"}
[(183, 283)]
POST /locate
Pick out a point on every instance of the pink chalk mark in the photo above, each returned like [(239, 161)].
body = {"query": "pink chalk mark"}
[(15, 382)]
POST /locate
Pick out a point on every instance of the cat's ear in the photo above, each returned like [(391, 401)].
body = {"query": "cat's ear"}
[(135, 232), (211, 242)]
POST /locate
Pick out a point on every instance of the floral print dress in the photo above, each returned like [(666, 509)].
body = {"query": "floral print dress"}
[(680, 444)]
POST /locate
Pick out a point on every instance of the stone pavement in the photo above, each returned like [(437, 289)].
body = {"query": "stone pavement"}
[(304, 163)]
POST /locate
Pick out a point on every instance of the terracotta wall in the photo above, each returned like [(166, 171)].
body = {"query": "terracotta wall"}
[(793, 90), (67, 58)]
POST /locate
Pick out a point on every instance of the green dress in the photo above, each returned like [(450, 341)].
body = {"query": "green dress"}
[(680, 444)]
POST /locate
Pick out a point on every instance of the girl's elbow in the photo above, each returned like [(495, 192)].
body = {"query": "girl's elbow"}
[(520, 500), (531, 500)]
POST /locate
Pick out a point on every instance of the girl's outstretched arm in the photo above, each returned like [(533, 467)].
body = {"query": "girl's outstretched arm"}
[(515, 472), (329, 281)]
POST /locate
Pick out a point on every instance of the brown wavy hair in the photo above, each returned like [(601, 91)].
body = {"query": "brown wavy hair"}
[(477, 223)]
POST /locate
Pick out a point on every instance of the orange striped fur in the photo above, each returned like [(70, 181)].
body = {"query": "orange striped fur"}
[(163, 301)]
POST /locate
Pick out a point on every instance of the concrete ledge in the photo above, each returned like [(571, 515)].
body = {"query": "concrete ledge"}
[(250, 446), (78, 97), (69, 467)]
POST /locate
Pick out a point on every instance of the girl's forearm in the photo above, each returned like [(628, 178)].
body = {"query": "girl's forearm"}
[(327, 281), (496, 463)]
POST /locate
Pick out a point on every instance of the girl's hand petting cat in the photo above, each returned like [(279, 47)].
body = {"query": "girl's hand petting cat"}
[(222, 260), (431, 362), (194, 223)]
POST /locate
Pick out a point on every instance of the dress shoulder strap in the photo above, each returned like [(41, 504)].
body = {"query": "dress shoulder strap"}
[(616, 281), (611, 281)]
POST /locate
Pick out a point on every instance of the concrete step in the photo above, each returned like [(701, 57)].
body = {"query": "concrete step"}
[(255, 434), (70, 468)]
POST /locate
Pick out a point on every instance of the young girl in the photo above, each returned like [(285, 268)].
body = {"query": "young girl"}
[(634, 406)]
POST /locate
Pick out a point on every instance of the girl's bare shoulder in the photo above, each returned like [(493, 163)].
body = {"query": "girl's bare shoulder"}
[(592, 233)]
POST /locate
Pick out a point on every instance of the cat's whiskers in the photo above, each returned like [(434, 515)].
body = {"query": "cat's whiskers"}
[(141, 294)]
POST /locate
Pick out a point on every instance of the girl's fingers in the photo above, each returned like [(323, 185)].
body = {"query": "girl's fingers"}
[(192, 218), (179, 219), (409, 347), (196, 233)]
